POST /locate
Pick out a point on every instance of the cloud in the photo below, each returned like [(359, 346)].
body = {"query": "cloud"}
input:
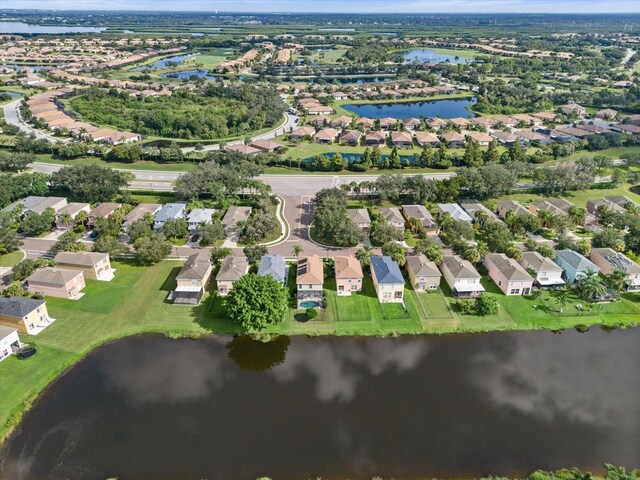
[(338, 371), (353, 6), (178, 372)]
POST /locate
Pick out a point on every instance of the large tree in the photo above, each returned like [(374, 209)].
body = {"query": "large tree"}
[(256, 302), (89, 183), (9, 240), (332, 223), (150, 250)]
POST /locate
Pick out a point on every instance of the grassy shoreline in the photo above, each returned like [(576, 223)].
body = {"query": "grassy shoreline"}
[(109, 312)]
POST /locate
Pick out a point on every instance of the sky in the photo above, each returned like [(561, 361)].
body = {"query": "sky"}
[(343, 6)]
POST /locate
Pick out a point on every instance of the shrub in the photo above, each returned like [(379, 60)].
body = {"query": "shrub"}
[(311, 313)]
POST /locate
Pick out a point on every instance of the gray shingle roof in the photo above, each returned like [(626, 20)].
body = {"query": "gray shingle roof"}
[(233, 268), (578, 262), (169, 210), (196, 266), (18, 307), (274, 266), (387, 271)]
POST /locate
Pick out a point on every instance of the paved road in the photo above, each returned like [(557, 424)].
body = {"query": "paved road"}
[(12, 116), (290, 123)]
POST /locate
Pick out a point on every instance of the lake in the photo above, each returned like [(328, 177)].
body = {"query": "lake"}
[(431, 56), (432, 108), (187, 74), (412, 407), (162, 63), (20, 27)]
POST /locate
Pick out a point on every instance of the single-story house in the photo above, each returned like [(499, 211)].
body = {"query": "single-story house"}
[(231, 270), (56, 282), (9, 341), (480, 137), (349, 275), (310, 282), (609, 261), (36, 204), (360, 216), (343, 121), (393, 217), (192, 280), (607, 114), (454, 139), (388, 122), (326, 135), (302, 132), (411, 123), (94, 265), (423, 273), (169, 211), (421, 213), (476, 209), (27, 315), (402, 139), (72, 209), (574, 264), (374, 138), (548, 273), (463, 279), (387, 279), (573, 108), (455, 211), (265, 145), (427, 138), (104, 210), (508, 275), (242, 148), (234, 215), (350, 137), (198, 217), (511, 207), (139, 212), (275, 267)]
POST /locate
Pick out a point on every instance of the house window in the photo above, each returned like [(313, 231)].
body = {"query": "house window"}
[(433, 286), (398, 294), (515, 291)]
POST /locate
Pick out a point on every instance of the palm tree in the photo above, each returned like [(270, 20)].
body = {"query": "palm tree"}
[(590, 286), (65, 219), (617, 280), (577, 215), (296, 250), (563, 297)]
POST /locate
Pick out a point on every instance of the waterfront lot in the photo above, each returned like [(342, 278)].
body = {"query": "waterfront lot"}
[(134, 302)]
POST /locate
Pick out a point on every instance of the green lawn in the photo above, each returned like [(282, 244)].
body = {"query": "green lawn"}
[(10, 259), (135, 302), (579, 198)]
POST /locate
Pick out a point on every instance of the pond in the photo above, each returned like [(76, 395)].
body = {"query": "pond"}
[(162, 63), (20, 27), (11, 94), (187, 74), (411, 407), (431, 56), (432, 108)]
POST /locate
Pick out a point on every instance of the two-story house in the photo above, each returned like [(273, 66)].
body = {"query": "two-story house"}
[(547, 272), (27, 315), (423, 273), (508, 275), (387, 279), (310, 282), (349, 275), (574, 264), (193, 278), (461, 276), (609, 261)]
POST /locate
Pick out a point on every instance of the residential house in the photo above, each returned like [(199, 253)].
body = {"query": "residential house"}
[(412, 123), (265, 145), (94, 265), (436, 123), (234, 215), (310, 282), (192, 280), (301, 133), (374, 139), (609, 261), (511, 207), (139, 212), (350, 137), (423, 273), (274, 266), (387, 123), (594, 206), (506, 138), (479, 212), (360, 216), (508, 275), (455, 211), (574, 264), (479, 137), (199, 217), (421, 213), (460, 122), (104, 210), (454, 139), (402, 139), (231, 270), (387, 279), (393, 217), (547, 272), (621, 201), (56, 282), (36, 204), (326, 135), (463, 279), (607, 114), (573, 108), (9, 341), (242, 148), (27, 315), (427, 138), (72, 209), (343, 121), (169, 211), (349, 275)]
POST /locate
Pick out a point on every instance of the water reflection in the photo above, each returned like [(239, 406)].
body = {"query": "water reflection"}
[(256, 355), (335, 408)]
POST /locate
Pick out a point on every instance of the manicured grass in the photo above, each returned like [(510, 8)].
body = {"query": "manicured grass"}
[(613, 153), (150, 198), (10, 259), (135, 302), (141, 165), (579, 198)]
